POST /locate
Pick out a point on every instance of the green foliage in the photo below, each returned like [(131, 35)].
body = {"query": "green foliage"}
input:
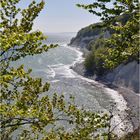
[(123, 45), (25, 110), (108, 10), (95, 44), (94, 61)]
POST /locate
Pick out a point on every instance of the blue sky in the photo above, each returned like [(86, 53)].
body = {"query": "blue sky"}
[(62, 16)]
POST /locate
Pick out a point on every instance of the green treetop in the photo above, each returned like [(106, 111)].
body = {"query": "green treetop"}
[(25, 112)]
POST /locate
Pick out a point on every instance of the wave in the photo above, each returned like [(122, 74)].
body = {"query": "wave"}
[(64, 70), (52, 72), (121, 108), (55, 81), (49, 72), (56, 66), (79, 58)]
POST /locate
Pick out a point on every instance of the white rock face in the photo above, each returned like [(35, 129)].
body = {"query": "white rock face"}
[(83, 41), (126, 76)]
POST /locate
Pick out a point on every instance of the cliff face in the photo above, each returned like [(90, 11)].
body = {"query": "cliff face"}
[(125, 75), (95, 31), (90, 33)]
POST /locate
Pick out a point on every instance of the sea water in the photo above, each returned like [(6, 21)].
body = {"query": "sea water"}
[(54, 67)]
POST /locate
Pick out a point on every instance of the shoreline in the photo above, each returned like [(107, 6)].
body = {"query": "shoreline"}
[(131, 98)]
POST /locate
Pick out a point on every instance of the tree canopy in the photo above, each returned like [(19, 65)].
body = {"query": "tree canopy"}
[(26, 112)]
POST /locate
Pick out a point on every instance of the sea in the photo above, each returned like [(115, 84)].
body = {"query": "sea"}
[(54, 67)]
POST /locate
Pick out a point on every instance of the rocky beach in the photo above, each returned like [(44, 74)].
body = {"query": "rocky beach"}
[(132, 99)]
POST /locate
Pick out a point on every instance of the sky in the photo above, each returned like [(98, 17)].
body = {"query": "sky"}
[(62, 16)]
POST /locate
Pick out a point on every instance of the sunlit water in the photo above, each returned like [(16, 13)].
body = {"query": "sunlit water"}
[(54, 67)]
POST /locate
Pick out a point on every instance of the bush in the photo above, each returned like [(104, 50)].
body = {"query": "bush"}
[(94, 62)]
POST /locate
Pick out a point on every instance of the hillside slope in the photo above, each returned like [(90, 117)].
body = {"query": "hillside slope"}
[(125, 75)]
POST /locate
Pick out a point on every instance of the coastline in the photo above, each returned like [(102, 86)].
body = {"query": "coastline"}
[(131, 98)]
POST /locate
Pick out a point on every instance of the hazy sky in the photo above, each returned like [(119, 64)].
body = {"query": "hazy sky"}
[(62, 16)]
